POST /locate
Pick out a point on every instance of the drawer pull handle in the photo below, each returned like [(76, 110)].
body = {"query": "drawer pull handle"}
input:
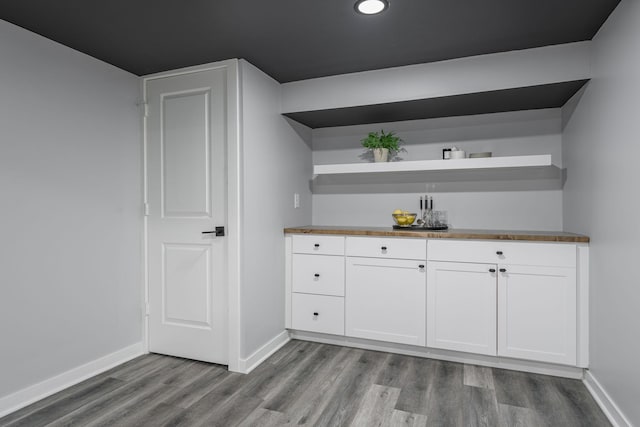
[(499, 252), (316, 275), (503, 270), (384, 248), (316, 314), (421, 266), (492, 270), (317, 245)]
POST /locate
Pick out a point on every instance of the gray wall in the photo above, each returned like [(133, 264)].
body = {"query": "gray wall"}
[(507, 204), (601, 152), (70, 199), (276, 164)]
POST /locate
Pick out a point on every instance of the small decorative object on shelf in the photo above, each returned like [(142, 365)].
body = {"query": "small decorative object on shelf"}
[(382, 144)]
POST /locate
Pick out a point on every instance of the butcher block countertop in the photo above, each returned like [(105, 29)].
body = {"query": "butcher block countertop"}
[(453, 233)]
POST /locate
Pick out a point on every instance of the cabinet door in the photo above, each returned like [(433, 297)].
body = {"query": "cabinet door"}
[(461, 307), (386, 300), (537, 313)]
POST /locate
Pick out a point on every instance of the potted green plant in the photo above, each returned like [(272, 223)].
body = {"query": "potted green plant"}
[(382, 144)]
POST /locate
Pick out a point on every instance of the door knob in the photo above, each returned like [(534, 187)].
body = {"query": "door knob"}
[(219, 232)]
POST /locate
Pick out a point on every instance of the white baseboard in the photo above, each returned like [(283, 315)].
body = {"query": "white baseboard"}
[(33, 393), (608, 406), (260, 355), (451, 356)]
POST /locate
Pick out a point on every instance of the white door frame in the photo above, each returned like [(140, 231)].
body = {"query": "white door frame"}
[(234, 205)]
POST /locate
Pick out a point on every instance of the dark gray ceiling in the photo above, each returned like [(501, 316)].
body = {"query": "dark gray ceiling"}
[(553, 95), (300, 39)]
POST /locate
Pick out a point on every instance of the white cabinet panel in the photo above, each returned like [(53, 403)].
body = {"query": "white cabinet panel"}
[(317, 313), (537, 313), (319, 245), (499, 252), (318, 274), (461, 307), (387, 247), (386, 300)]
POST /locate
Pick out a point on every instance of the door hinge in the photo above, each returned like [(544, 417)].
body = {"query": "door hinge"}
[(146, 209), (145, 108), (146, 309)]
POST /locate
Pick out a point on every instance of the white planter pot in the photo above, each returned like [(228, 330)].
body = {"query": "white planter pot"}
[(380, 154)]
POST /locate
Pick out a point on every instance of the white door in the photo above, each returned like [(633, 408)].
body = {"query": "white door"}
[(537, 313), (461, 307), (186, 195), (386, 300)]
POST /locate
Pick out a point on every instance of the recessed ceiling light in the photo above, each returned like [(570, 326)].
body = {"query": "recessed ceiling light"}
[(371, 7)]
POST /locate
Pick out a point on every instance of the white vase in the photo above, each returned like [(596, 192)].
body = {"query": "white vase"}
[(380, 154)]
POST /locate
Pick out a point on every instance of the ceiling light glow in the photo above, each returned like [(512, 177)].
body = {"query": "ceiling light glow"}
[(371, 7)]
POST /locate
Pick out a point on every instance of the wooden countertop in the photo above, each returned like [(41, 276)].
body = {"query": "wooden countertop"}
[(453, 233)]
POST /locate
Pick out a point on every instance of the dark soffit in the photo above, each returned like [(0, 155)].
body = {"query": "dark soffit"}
[(523, 98), (301, 39)]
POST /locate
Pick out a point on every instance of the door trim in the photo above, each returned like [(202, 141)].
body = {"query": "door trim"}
[(234, 205)]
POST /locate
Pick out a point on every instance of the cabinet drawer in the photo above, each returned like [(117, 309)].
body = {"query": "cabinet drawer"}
[(321, 245), (499, 252), (318, 274), (381, 247), (317, 313)]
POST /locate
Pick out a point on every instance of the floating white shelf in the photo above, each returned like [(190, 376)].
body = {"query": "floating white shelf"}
[(543, 160), (514, 173)]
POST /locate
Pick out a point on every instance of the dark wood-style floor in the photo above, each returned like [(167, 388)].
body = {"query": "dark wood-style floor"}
[(318, 385)]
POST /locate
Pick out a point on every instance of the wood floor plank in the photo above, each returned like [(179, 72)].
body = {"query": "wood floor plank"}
[(578, 403), (395, 371), (350, 389), (269, 379), (109, 402), (198, 388), (232, 412), (516, 416), (510, 387), (289, 390), (377, 406), (61, 407), (414, 395), (402, 418), (480, 407), (445, 407), (131, 413), (478, 376), (307, 407), (261, 417)]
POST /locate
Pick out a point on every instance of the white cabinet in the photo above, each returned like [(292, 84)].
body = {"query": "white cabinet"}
[(461, 307), (536, 299), (537, 313), (385, 300)]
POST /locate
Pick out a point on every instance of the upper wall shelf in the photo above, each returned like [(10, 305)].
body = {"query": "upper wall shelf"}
[(553, 95), (543, 160), (480, 174)]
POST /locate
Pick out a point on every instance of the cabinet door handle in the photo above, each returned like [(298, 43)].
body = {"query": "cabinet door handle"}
[(384, 248), (421, 266), (499, 252), (492, 270), (503, 270), (317, 245), (316, 275), (316, 313)]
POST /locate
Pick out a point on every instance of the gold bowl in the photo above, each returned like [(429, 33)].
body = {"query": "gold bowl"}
[(404, 219)]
